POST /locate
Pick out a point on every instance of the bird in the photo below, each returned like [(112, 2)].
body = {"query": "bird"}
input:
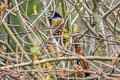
[(55, 19)]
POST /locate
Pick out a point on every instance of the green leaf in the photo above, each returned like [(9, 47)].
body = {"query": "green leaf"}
[(35, 51), (117, 40)]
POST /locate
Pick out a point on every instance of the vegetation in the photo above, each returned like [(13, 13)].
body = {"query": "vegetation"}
[(30, 51)]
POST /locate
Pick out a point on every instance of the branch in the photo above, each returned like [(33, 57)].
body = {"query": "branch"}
[(112, 9), (100, 58), (14, 39)]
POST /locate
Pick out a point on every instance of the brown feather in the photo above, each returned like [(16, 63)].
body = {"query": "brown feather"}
[(79, 51), (55, 22)]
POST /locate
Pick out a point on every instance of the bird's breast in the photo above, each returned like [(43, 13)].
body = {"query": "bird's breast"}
[(55, 22)]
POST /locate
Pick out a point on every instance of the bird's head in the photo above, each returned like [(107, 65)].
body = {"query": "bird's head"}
[(53, 15), (55, 19)]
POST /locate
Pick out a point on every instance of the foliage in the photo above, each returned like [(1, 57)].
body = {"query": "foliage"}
[(29, 50)]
